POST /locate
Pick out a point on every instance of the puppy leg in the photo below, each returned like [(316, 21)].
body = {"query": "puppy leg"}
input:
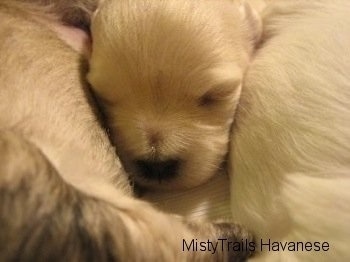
[(56, 222)]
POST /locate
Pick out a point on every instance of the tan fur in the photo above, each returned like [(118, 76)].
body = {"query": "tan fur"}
[(168, 75), (63, 193)]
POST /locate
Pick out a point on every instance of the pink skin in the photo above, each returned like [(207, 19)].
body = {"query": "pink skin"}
[(76, 38)]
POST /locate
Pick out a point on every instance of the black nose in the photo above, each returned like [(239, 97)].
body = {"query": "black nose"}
[(157, 170)]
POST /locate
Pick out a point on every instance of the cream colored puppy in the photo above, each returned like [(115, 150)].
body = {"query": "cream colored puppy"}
[(63, 193), (168, 75), (290, 159)]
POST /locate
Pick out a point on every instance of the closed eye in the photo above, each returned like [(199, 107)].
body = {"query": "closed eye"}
[(216, 95)]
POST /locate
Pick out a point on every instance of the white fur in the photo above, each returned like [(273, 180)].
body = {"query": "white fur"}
[(290, 158)]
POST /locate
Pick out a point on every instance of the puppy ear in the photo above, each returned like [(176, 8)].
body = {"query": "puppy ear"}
[(97, 10), (95, 13), (253, 22)]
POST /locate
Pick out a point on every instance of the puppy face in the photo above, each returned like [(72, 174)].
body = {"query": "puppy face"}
[(168, 76)]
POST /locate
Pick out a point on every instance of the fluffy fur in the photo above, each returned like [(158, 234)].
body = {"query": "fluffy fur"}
[(63, 193), (290, 148), (168, 76)]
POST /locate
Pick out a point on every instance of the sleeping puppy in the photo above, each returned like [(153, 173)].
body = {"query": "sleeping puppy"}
[(168, 75), (290, 151), (63, 193)]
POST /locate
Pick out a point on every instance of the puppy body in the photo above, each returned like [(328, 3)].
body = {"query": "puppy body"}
[(49, 131), (168, 75), (36, 106), (290, 150)]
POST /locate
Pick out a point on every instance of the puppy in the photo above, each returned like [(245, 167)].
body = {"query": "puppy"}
[(290, 150), (63, 194), (168, 77)]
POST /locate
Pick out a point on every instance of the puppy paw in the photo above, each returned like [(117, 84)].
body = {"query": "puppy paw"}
[(224, 241), (237, 243)]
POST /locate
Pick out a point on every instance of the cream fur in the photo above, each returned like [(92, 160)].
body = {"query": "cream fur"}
[(63, 193), (153, 62), (290, 155)]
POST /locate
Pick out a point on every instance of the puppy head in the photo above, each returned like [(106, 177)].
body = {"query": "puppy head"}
[(168, 76)]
